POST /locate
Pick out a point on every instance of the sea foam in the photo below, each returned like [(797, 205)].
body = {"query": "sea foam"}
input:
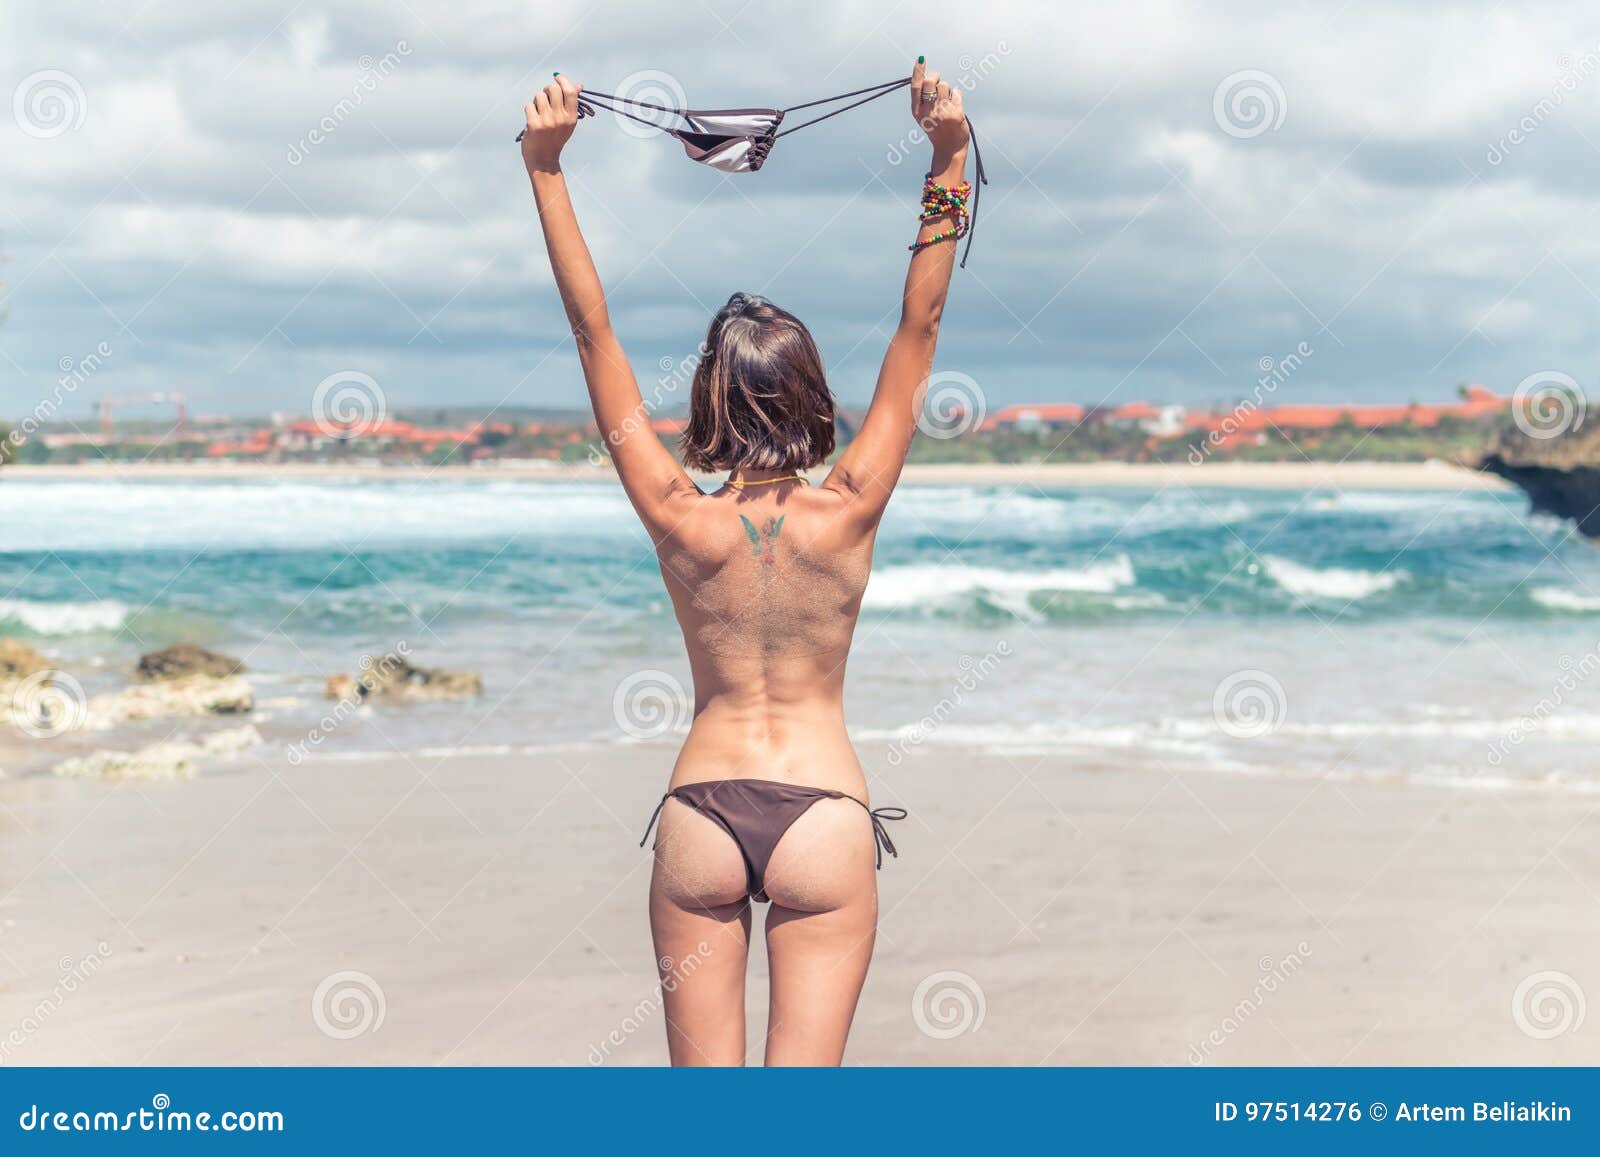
[(1560, 599), (1334, 582), (935, 584), (42, 618)]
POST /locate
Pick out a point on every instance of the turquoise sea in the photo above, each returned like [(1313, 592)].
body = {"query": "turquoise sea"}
[(1432, 635)]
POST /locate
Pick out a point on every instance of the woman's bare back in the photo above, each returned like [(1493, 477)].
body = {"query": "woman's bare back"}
[(767, 584)]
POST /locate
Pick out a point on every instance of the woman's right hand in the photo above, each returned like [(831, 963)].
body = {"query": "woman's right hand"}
[(938, 112), (552, 115)]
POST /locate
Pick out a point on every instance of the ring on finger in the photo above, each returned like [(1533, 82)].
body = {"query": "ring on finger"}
[(927, 96)]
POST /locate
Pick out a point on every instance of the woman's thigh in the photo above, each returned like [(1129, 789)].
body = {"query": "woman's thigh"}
[(820, 932), (700, 925)]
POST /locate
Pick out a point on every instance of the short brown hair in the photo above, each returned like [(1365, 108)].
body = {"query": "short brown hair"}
[(760, 398)]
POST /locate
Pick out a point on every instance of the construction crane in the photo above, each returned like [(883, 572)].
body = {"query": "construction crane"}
[(173, 399)]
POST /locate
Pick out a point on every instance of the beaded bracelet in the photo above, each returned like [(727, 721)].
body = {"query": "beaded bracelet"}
[(938, 201)]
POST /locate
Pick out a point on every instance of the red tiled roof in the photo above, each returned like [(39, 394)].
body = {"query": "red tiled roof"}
[(1043, 412), (1136, 411), (1479, 403)]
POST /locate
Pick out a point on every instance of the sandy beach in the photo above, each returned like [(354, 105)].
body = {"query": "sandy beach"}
[(1435, 475), (1095, 915), (1106, 861)]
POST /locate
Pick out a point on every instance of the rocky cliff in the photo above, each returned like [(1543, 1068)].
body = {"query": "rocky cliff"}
[(1559, 472)]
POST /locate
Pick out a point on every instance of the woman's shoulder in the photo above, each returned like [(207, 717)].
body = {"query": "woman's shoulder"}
[(716, 525)]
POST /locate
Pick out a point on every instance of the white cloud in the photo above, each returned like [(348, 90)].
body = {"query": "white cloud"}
[(260, 193)]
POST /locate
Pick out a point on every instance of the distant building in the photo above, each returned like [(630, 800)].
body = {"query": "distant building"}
[(1244, 423), (1247, 423), (1052, 416)]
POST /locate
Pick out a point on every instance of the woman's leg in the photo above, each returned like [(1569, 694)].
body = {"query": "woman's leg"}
[(700, 924), (820, 932)]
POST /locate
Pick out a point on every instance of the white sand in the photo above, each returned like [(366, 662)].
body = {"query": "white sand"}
[(1108, 916)]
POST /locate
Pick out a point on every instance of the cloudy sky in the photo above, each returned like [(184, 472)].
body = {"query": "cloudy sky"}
[(1179, 191)]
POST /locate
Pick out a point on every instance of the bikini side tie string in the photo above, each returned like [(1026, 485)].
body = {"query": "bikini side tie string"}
[(885, 844), (654, 816), (983, 179), (880, 834)]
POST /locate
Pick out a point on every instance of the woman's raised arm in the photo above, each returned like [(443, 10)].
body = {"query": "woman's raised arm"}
[(867, 471), (650, 474)]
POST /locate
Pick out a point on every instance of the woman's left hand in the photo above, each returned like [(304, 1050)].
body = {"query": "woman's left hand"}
[(552, 115), (939, 113)]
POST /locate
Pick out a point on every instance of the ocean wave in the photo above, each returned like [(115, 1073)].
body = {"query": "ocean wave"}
[(391, 754), (1200, 745), (1308, 582), (45, 618), (933, 584), (990, 514), (1561, 599), (1203, 736), (1138, 601), (1385, 501), (965, 509), (302, 515), (1487, 729), (1041, 738)]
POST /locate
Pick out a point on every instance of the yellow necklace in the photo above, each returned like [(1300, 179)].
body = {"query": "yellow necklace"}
[(764, 481)]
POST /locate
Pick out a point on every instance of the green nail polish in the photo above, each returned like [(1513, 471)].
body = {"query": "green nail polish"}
[(921, 60), (555, 74)]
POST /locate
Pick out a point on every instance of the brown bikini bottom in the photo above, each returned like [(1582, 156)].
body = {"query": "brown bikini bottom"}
[(757, 812)]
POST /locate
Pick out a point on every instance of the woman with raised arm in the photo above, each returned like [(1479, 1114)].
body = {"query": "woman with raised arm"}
[(767, 801)]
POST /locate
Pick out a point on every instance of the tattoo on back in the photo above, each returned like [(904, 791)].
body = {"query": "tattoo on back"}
[(764, 540)]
